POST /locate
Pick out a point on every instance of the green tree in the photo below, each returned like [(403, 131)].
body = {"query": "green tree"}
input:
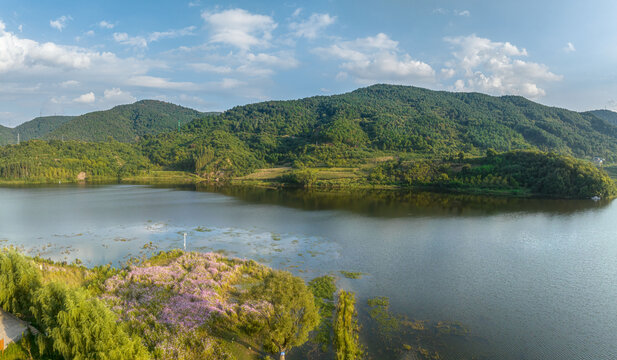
[(346, 329), (292, 314), (19, 280), (78, 326)]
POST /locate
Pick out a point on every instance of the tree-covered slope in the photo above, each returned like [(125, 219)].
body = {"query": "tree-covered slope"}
[(40, 126), (337, 130), (125, 123), (6, 135), (53, 161), (33, 129), (405, 118), (527, 171), (607, 115)]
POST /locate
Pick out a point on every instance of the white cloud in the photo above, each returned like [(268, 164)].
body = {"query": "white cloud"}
[(69, 83), (296, 12), (60, 23), (255, 65), (194, 3), (231, 83), (160, 83), (106, 25), (442, 11), (88, 33), (206, 67), (240, 28), (85, 98), (118, 96), (125, 39), (142, 42), (16, 53), (495, 68), (377, 59), (569, 48), (448, 73), (280, 61), (20, 28), (156, 36), (312, 27), (27, 61)]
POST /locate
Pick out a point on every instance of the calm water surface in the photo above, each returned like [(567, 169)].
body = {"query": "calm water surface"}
[(529, 279)]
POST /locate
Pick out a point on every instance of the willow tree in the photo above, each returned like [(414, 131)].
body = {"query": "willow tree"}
[(86, 329), (19, 280), (346, 329), (291, 314)]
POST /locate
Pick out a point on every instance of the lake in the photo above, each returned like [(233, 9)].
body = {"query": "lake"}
[(522, 278)]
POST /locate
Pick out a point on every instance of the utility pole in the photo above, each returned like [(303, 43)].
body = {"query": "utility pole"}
[(184, 241), (18, 139)]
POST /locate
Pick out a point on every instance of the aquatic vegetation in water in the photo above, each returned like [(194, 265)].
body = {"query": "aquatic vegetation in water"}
[(346, 328), (202, 229), (323, 288), (398, 334), (351, 274)]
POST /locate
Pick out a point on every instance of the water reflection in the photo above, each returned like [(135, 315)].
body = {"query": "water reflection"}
[(398, 203)]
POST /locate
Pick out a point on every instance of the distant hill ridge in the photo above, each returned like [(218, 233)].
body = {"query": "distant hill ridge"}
[(124, 123), (379, 117), (608, 115)]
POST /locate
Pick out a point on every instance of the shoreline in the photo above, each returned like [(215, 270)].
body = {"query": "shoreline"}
[(179, 178)]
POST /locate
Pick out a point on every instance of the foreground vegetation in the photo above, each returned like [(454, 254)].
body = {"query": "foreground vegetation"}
[(175, 305)]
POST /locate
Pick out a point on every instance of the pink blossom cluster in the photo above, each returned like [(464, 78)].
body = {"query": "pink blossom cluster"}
[(169, 303), (185, 292)]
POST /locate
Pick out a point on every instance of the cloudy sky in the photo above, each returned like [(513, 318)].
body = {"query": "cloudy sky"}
[(72, 57)]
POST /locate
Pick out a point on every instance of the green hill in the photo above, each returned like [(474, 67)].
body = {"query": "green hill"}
[(33, 129), (379, 120), (607, 115), (382, 134), (40, 126), (125, 123)]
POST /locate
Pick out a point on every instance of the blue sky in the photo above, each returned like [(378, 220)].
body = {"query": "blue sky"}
[(72, 57)]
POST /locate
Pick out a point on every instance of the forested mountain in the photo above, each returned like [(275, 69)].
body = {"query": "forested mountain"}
[(607, 115), (125, 123), (33, 129), (340, 129), (39, 127), (424, 137)]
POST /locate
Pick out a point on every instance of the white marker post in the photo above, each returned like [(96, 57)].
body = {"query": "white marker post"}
[(184, 241)]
